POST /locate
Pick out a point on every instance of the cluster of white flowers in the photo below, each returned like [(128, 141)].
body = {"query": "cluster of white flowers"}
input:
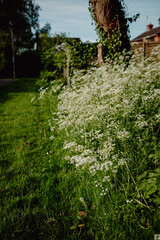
[(61, 47), (141, 123), (69, 145), (42, 92), (97, 112), (51, 137), (56, 89), (33, 99), (103, 190)]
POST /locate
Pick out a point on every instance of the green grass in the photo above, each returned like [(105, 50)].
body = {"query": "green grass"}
[(39, 191), (26, 166)]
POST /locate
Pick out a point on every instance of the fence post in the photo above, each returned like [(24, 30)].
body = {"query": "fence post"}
[(100, 55), (68, 60), (13, 50), (144, 48)]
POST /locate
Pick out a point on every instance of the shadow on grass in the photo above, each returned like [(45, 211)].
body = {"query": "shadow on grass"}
[(19, 86)]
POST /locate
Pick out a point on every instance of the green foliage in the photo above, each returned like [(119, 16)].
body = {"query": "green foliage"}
[(52, 52), (149, 185), (53, 58), (60, 52), (82, 55), (112, 46), (22, 17), (47, 78)]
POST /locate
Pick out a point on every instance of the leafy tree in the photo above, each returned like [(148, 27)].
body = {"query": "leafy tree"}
[(18, 19), (3, 44), (22, 17), (50, 49), (46, 29), (52, 54)]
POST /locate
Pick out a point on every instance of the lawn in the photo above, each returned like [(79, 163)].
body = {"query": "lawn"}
[(27, 166)]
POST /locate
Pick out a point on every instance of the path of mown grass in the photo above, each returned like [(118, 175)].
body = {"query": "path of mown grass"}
[(28, 173), (39, 191)]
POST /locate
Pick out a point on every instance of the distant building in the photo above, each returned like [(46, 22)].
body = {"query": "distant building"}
[(151, 35)]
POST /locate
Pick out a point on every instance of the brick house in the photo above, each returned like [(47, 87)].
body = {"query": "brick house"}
[(151, 35), (147, 40)]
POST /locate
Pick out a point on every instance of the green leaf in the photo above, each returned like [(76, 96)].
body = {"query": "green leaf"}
[(157, 201), (142, 176), (73, 227), (148, 187)]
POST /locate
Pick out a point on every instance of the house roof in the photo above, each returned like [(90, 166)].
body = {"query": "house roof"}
[(148, 34)]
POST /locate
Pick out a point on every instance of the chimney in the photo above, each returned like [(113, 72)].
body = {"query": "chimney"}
[(149, 27)]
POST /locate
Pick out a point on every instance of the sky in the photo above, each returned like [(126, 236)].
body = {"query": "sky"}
[(73, 17)]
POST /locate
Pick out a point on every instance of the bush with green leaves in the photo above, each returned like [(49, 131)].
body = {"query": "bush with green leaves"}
[(60, 52), (50, 50), (81, 55), (53, 58), (47, 78)]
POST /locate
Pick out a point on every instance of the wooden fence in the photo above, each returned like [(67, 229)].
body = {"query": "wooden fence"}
[(146, 47)]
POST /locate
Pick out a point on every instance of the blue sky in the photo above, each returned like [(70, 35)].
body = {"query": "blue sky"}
[(73, 17)]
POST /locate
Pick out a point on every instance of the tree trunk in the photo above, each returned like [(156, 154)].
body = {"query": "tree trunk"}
[(110, 16), (102, 12)]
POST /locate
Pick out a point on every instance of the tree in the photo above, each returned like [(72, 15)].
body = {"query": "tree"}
[(112, 25), (22, 17), (3, 44), (18, 18), (46, 29)]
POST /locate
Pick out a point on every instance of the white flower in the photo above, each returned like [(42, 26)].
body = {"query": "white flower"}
[(51, 137), (102, 107), (123, 134), (69, 145), (32, 100)]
